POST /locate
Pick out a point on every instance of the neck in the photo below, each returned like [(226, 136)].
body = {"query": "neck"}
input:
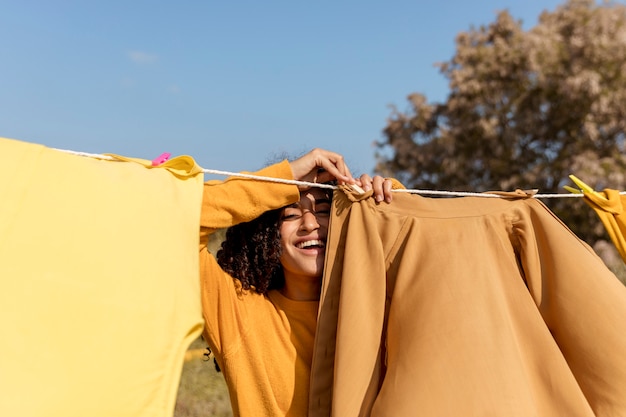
[(302, 289)]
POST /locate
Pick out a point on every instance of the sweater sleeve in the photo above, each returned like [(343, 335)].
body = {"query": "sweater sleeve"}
[(396, 185), (225, 204), (237, 200)]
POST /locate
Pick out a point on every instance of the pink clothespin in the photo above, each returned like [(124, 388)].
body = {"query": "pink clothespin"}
[(161, 158)]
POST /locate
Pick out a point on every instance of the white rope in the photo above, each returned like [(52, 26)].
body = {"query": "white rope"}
[(269, 179), (332, 187), (90, 155), (488, 195)]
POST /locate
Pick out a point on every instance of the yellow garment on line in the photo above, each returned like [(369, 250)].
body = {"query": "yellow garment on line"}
[(608, 205), (99, 286)]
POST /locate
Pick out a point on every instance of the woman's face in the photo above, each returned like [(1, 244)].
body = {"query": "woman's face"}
[(303, 231)]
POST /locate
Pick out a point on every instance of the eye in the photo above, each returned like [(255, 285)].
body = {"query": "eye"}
[(291, 214), (323, 210)]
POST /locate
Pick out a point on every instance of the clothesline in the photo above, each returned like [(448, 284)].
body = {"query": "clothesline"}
[(328, 186)]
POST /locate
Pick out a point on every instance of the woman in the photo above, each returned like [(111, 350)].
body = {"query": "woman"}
[(260, 306)]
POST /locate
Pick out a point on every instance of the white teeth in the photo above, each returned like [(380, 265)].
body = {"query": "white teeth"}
[(310, 243)]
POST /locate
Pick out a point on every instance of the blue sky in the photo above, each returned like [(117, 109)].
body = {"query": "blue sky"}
[(232, 84)]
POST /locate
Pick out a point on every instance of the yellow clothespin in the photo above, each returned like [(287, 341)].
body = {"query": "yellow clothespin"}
[(582, 187)]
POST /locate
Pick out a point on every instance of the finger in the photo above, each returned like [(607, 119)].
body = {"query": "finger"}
[(377, 185), (323, 176), (338, 163), (387, 190), (366, 182), (334, 165), (344, 168), (320, 166)]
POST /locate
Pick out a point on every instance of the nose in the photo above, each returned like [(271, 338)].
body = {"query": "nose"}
[(309, 221)]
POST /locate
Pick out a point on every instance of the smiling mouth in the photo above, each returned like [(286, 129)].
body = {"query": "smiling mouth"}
[(311, 244)]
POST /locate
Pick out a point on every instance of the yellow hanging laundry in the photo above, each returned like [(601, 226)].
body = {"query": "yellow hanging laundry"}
[(610, 210), (608, 205), (99, 286)]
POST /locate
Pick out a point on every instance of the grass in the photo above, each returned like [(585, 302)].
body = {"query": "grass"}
[(202, 391)]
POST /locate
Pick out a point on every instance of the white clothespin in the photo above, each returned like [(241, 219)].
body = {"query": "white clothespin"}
[(356, 188)]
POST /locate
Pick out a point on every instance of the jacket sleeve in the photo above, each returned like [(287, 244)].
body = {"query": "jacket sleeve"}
[(582, 303)]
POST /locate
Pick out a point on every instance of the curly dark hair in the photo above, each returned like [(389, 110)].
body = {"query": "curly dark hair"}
[(251, 253)]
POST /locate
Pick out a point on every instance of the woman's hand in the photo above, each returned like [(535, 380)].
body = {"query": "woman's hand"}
[(321, 166), (380, 185)]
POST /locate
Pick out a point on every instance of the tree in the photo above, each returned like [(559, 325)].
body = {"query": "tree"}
[(525, 110)]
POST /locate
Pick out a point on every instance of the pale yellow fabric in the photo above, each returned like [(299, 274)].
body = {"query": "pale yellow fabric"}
[(263, 343), (99, 288), (465, 307)]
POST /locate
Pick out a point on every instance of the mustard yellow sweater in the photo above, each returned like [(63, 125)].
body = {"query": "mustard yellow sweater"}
[(263, 343)]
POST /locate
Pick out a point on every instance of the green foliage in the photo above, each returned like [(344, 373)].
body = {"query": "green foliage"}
[(525, 110)]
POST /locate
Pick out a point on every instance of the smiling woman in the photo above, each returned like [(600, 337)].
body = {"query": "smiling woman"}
[(261, 295), (283, 249), (303, 231)]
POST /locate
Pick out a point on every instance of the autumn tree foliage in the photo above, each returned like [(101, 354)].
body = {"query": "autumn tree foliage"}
[(525, 109)]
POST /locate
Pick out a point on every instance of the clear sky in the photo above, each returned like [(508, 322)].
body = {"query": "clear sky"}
[(231, 83)]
